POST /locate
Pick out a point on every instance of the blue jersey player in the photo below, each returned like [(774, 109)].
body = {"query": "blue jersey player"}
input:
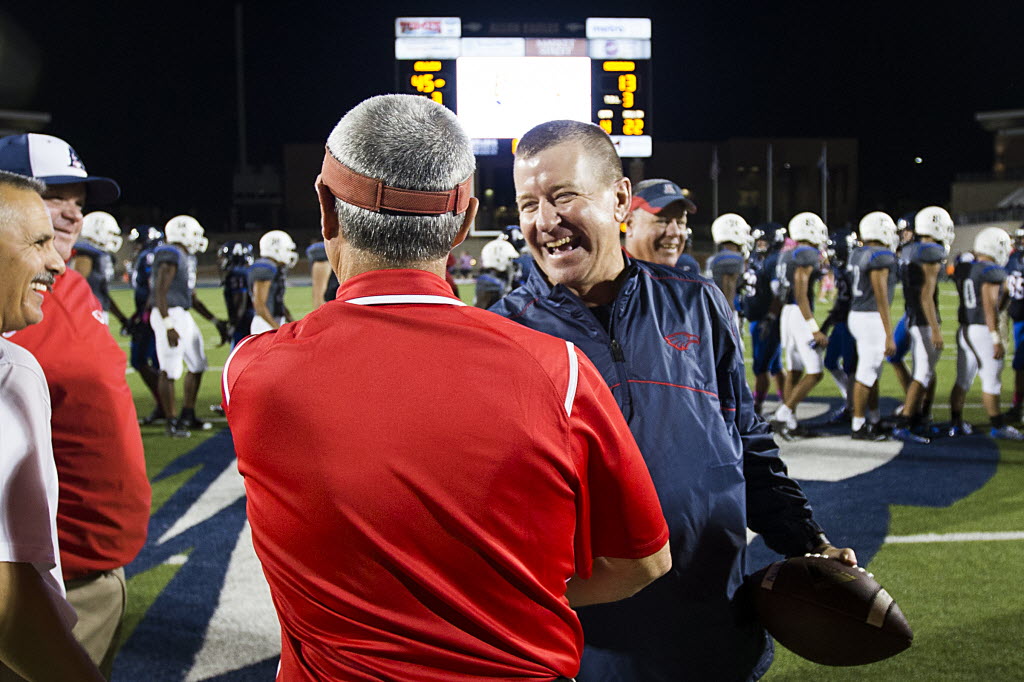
[(267, 281), (920, 265), (179, 342), (731, 234), (841, 346), (142, 356), (872, 285), (762, 309), (802, 340), (979, 344), (1015, 309), (234, 258), (93, 258), (324, 283)]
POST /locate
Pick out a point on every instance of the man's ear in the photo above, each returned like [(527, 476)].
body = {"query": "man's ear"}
[(328, 214), (623, 198), (467, 221)]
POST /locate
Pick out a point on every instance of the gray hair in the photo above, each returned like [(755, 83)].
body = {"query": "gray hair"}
[(408, 142), (18, 181), (590, 137)]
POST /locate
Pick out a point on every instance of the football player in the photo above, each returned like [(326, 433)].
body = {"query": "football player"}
[(905, 229), (921, 263), (324, 281), (1015, 295), (267, 280), (234, 258), (143, 358), (496, 270), (178, 339), (93, 258), (841, 345), (762, 309), (872, 285), (979, 343), (801, 338), (656, 229), (731, 235)]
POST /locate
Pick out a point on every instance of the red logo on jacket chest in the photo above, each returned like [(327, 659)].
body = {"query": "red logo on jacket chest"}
[(682, 340)]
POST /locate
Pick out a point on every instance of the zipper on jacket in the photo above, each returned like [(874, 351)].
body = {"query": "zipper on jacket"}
[(619, 356)]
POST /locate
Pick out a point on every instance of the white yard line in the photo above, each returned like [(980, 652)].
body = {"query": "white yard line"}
[(954, 537)]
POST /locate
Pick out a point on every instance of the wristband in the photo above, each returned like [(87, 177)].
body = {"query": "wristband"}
[(813, 324), (996, 338), (168, 323)]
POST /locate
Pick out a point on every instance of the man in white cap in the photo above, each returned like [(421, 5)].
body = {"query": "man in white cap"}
[(104, 493)]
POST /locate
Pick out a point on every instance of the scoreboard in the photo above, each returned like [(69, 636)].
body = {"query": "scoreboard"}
[(503, 77)]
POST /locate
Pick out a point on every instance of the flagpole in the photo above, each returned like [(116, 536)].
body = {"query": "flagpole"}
[(770, 181)]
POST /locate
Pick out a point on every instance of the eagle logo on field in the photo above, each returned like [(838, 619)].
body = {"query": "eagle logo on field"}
[(682, 340)]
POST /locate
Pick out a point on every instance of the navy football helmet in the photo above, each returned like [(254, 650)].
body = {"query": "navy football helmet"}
[(234, 254)]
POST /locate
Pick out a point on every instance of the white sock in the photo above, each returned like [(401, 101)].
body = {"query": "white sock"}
[(857, 422), (784, 414)]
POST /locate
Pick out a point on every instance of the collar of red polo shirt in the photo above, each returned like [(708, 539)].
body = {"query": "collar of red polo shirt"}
[(339, 180)]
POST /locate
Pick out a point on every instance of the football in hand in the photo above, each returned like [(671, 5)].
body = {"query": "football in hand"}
[(828, 612)]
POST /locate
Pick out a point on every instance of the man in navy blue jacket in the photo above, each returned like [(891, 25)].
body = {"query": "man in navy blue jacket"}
[(664, 342)]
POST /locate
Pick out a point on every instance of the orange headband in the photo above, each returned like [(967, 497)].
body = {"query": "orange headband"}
[(342, 182)]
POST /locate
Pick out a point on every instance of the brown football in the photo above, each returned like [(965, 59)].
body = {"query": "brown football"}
[(828, 612)]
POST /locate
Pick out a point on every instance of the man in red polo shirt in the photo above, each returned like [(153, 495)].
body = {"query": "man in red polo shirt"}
[(104, 494), (404, 537)]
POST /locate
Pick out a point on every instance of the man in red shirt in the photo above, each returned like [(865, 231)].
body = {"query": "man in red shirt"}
[(104, 493), (402, 540)]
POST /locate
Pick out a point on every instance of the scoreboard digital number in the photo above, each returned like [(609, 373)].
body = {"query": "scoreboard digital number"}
[(502, 78)]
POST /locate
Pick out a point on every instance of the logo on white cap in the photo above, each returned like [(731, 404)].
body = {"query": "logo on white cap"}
[(51, 156)]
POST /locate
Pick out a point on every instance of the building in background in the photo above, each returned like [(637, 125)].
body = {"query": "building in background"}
[(995, 198)]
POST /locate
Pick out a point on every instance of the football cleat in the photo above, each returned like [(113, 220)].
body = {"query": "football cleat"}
[(801, 431), (782, 430), (906, 435), (869, 432), (961, 429), (194, 424), (839, 416), (176, 430), (1013, 414), (1006, 433)]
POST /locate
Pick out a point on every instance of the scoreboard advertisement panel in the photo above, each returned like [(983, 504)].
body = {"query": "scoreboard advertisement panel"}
[(503, 77)]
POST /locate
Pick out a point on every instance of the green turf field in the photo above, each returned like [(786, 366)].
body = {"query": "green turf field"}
[(962, 598)]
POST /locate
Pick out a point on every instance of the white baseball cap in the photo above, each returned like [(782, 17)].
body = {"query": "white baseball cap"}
[(55, 162)]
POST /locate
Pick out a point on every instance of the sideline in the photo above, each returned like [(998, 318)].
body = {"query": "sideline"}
[(953, 537)]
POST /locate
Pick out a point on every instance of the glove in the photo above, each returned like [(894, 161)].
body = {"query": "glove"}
[(225, 331)]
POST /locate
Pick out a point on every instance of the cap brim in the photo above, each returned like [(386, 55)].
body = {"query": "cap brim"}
[(98, 190), (656, 205)]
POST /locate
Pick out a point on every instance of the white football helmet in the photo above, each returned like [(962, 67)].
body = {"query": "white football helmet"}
[(730, 228), (186, 230), (808, 227), (498, 254), (936, 223), (277, 245), (879, 227), (102, 230), (993, 242)]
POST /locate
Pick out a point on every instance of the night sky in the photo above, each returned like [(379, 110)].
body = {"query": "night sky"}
[(148, 97)]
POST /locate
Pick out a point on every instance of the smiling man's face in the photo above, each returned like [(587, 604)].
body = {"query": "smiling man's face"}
[(28, 259), (65, 202), (570, 213), (658, 237)]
